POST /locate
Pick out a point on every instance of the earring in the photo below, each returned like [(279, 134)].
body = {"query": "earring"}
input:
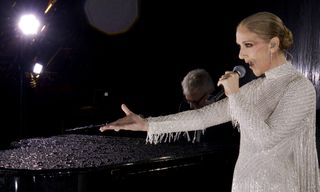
[(272, 45)]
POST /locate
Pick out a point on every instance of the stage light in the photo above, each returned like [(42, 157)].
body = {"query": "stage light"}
[(29, 24), (37, 68)]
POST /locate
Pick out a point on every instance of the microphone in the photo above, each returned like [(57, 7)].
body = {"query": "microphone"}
[(241, 71)]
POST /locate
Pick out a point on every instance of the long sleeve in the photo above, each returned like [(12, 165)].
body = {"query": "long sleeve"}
[(168, 128)]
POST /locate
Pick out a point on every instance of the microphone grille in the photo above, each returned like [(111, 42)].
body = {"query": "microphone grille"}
[(240, 70)]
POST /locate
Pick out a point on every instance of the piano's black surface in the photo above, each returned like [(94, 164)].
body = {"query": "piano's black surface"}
[(78, 162)]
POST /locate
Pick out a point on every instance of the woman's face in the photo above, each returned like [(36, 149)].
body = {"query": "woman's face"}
[(254, 50)]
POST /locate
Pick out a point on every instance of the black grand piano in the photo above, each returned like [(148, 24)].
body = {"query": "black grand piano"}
[(86, 162)]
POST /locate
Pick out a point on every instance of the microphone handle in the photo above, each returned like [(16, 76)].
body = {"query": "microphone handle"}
[(237, 70), (218, 95)]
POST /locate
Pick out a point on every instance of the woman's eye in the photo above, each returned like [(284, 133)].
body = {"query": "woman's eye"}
[(248, 45)]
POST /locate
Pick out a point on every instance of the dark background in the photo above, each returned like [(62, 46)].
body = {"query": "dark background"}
[(142, 67)]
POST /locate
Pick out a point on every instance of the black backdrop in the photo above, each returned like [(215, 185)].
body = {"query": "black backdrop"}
[(142, 67)]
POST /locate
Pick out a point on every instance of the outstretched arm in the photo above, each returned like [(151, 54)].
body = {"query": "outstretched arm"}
[(131, 121)]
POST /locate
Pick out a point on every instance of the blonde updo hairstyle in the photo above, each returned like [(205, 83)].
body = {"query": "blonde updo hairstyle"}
[(267, 25)]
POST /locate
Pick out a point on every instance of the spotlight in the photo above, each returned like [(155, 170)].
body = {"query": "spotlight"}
[(34, 77), (29, 24), (37, 68)]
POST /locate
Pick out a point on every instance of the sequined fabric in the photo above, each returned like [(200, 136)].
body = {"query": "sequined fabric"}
[(276, 118)]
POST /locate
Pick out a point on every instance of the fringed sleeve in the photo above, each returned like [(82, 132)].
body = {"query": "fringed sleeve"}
[(169, 128), (306, 161)]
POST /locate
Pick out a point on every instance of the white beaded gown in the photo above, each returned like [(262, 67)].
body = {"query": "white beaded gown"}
[(276, 119)]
